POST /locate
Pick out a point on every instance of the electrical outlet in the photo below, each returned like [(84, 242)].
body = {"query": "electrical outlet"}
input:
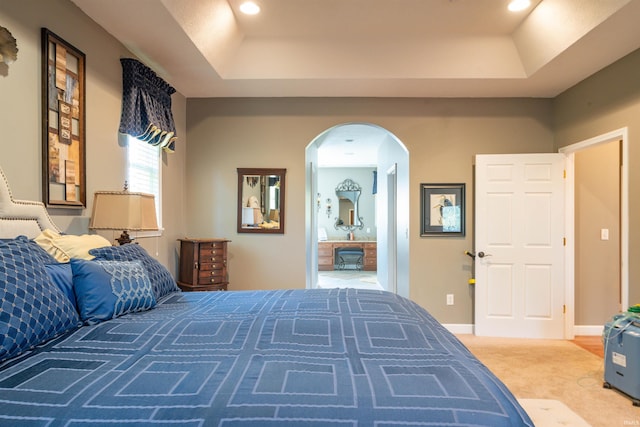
[(449, 299)]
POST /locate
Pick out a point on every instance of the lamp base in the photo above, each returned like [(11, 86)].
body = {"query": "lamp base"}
[(124, 238)]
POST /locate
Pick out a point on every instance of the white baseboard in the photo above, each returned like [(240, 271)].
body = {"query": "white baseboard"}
[(458, 328), (588, 329)]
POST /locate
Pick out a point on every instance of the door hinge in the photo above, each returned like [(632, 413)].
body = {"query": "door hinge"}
[(564, 174), (564, 241), (564, 309)]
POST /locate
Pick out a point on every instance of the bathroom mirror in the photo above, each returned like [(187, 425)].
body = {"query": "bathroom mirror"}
[(261, 200), (348, 219)]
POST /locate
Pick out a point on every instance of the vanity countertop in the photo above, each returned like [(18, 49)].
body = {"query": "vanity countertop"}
[(348, 241)]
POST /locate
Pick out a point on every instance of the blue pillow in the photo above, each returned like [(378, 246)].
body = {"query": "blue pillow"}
[(43, 256), (161, 280), (108, 289), (32, 308), (62, 276)]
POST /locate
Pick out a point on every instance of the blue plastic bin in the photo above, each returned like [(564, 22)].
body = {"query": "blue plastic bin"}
[(621, 340)]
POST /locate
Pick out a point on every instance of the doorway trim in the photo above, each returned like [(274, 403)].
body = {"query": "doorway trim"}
[(391, 151), (569, 151), (392, 226)]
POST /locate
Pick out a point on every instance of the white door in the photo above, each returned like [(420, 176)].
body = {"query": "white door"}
[(519, 245)]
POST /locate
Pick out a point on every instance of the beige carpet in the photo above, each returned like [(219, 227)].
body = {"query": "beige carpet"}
[(551, 413), (555, 370)]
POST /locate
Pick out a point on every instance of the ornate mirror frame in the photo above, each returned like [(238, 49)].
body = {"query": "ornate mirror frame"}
[(351, 191), (266, 188)]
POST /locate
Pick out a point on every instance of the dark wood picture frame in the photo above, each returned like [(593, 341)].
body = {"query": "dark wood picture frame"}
[(267, 187), (63, 123), (442, 210)]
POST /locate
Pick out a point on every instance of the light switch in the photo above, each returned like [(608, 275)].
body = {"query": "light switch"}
[(604, 234)]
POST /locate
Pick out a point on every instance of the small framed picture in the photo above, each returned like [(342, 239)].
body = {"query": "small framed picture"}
[(442, 209)]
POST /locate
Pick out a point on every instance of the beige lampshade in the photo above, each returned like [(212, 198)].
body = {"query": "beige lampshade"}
[(123, 210), (247, 216)]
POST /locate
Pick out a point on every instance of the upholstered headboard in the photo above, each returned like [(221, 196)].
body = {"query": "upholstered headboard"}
[(21, 217)]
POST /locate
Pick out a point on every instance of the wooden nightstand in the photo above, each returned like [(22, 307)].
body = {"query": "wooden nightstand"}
[(203, 265)]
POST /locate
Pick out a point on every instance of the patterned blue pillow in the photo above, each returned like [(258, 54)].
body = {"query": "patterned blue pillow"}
[(159, 276), (108, 289), (32, 308), (42, 255)]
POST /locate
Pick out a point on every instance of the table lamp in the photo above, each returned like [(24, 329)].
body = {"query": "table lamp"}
[(123, 210)]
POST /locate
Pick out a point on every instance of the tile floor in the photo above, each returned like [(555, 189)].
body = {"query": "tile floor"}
[(348, 279)]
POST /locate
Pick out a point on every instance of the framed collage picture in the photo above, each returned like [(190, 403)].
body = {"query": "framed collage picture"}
[(63, 123)]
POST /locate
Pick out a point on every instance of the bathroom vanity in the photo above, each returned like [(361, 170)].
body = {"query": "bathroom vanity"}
[(327, 253)]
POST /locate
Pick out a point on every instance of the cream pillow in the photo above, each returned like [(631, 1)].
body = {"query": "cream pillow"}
[(63, 247)]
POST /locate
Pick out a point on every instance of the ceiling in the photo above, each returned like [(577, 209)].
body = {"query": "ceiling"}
[(372, 48)]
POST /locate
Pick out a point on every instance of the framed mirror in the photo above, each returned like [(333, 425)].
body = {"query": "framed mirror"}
[(261, 200), (348, 219)]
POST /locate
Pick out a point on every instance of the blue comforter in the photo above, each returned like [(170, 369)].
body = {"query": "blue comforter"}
[(339, 357)]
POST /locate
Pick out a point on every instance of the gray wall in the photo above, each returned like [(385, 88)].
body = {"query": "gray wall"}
[(105, 160), (441, 135), (597, 207)]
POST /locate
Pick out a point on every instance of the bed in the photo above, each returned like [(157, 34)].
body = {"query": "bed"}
[(325, 357)]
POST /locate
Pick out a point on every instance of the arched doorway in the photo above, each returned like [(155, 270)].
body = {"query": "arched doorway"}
[(358, 144)]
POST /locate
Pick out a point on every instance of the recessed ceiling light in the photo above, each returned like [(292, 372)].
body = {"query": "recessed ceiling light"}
[(249, 8), (518, 5)]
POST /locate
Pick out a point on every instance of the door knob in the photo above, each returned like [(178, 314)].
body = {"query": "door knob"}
[(482, 254)]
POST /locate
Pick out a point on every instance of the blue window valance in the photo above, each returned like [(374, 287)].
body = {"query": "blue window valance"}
[(146, 105)]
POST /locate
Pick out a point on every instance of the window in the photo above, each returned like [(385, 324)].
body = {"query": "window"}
[(144, 173)]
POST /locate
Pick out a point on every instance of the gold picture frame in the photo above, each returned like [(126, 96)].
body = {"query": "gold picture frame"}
[(63, 123)]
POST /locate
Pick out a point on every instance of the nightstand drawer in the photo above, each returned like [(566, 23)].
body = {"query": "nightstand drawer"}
[(211, 252), (202, 280), (211, 245), (206, 266)]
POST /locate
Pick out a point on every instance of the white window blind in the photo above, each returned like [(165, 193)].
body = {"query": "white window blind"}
[(144, 171)]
